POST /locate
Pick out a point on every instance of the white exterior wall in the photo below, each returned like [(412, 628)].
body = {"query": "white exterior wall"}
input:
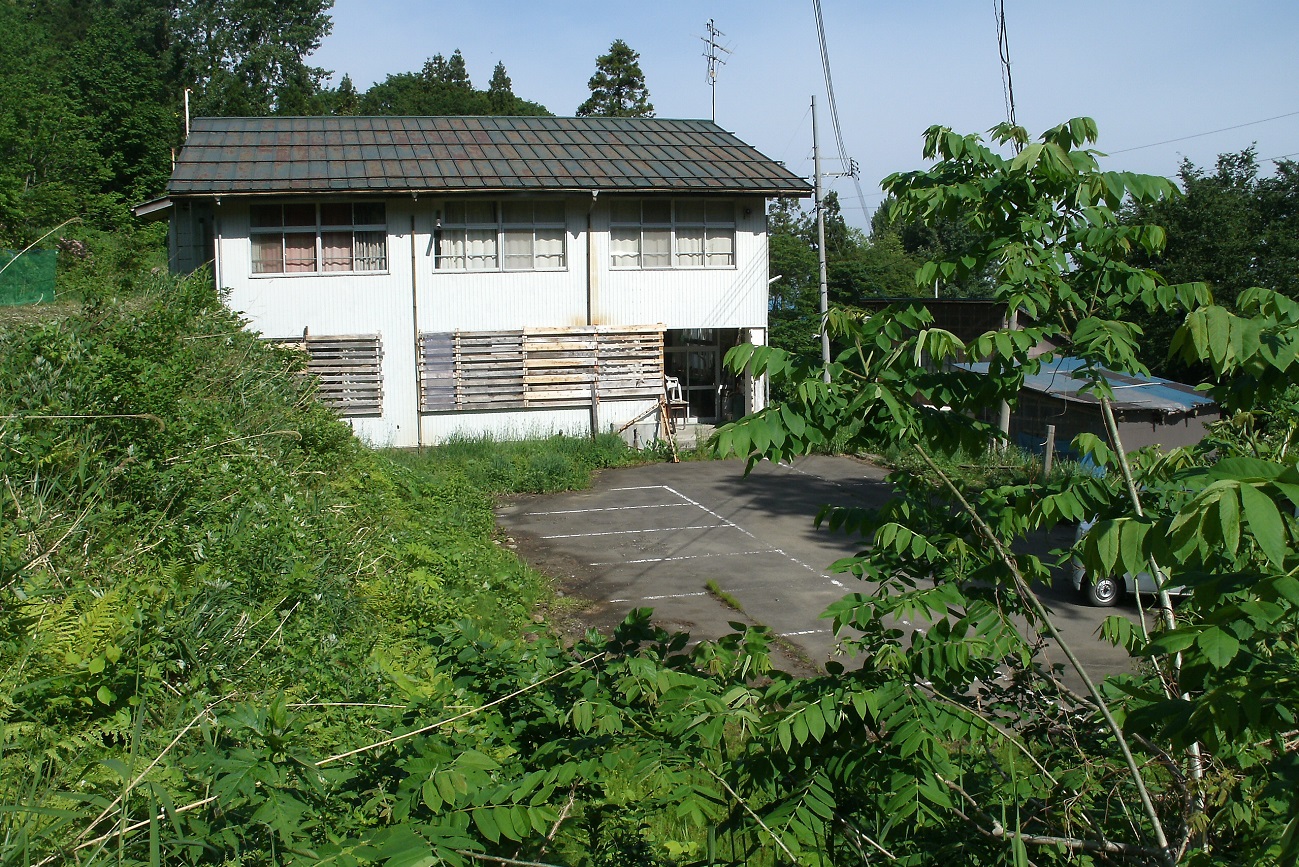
[(388, 304), (689, 297), (335, 304)]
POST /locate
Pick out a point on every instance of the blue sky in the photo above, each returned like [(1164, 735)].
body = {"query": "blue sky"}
[(1146, 70)]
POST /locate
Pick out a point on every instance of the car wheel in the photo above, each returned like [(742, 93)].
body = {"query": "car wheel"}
[(1103, 592)]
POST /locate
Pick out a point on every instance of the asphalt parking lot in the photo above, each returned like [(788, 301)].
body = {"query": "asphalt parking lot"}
[(654, 536)]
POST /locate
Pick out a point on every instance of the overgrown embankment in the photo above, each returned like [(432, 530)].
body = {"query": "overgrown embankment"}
[(210, 589)]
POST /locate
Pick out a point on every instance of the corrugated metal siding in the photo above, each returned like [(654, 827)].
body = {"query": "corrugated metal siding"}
[(335, 304), (519, 424), (492, 300), (343, 303), (690, 298)]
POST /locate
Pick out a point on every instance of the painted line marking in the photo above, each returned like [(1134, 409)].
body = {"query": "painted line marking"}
[(682, 557), (725, 523), (628, 532), (664, 596), (803, 632), (608, 509)]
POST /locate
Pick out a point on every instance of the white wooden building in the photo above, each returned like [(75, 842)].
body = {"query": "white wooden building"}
[(467, 275)]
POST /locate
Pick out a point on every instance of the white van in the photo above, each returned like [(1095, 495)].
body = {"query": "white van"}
[(1106, 591)]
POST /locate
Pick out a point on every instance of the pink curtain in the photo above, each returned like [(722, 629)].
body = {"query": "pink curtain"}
[(299, 252)]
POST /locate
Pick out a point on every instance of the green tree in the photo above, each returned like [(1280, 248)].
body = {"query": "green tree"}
[(500, 92), (442, 87), (858, 269), (455, 73), (1232, 228), (1199, 747), (248, 57), (345, 100), (935, 238), (618, 86), (794, 295)]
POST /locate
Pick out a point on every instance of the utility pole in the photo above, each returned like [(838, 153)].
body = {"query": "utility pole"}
[(820, 252), (713, 59)]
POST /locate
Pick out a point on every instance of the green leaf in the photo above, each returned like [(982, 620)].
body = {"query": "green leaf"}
[(793, 421), (402, 847), (1106, 540), (1264, 522), (1218, 645), (1229, 521), (816, 722), (430, 795), (486, 823)]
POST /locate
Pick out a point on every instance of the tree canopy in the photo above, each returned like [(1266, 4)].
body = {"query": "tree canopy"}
[(91, 95), (618, 85), (859, 268), (1230, 228), (443, 87), (973, 733)]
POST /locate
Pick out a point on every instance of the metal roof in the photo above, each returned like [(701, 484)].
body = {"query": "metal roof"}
[(1150, 393), (258, 155)]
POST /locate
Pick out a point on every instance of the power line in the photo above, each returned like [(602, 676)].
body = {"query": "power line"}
[(1003, 53), (1202, 134), (850, 165)]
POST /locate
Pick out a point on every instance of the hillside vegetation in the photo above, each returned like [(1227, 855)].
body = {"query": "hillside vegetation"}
[(209, 586)]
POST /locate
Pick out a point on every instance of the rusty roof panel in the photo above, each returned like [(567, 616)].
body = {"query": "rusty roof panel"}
[(298, 154)]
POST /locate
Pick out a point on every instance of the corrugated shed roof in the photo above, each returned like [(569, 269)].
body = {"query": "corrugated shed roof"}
[(256, 155), (1151, 393)]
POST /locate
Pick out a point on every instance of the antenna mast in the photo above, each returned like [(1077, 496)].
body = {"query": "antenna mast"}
[(714, 60)]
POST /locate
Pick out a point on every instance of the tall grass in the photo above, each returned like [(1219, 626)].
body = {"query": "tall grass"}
[(537, 466), (981, 469), (184, 529)]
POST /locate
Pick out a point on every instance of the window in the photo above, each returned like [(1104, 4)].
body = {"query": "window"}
[(318, 238), (500, 236), (682, 233)]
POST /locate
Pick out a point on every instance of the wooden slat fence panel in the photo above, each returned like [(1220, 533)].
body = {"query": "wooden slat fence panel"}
[(539, 367), (348, 370)]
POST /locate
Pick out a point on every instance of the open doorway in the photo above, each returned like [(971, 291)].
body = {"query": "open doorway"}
[(694, 356)]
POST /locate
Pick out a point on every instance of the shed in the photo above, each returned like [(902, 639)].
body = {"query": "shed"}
[(1149, 410)]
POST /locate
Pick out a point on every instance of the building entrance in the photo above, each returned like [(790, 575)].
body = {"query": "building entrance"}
[(694, 356)]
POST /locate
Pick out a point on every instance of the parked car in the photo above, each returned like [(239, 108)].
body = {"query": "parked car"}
[(1107, 590)]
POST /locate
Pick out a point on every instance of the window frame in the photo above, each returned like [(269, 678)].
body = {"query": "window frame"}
[(705, 228), (503, 226), (320, 229)]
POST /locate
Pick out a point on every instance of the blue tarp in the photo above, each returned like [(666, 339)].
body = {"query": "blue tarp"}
[(1055, 378)]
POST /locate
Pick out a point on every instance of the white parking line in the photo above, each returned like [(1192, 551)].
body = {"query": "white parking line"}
[(727, 523), (683, 557), (656, 598), (608, 509), (803, 632), (627, 532)]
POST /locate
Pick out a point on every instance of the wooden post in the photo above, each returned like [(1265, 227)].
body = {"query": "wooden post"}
[(1049, 456)]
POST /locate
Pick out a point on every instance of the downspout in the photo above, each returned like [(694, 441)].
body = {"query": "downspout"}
[(414, 327), (592, 290), (216, 231), (592, 278)]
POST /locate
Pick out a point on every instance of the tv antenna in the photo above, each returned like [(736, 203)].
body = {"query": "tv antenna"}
[(714, 60)]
